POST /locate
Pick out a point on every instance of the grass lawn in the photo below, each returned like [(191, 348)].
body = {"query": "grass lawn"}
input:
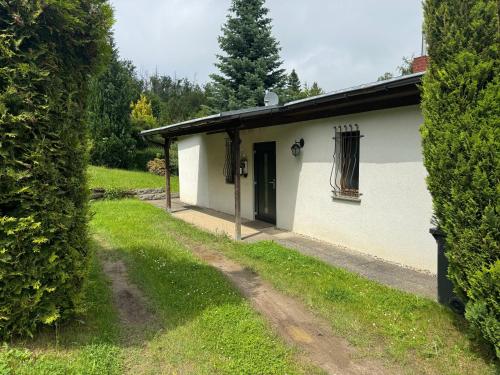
[(397, 327), (206, 327), (119, 179)]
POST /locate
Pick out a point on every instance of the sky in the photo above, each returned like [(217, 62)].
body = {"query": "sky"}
[(338, 43)]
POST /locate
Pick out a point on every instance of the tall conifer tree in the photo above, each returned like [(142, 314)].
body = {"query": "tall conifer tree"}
[(461, 139), (251, 62), (293, 87), (111, 131), (294, 81)]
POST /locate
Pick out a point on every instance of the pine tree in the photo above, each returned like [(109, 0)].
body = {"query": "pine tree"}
[(251, 62), (314, 90), (293, 89), (111, 131), (461, 139), (174, 100), (294, 82)]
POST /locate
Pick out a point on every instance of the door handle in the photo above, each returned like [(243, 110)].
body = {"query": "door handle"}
[(273, 182)]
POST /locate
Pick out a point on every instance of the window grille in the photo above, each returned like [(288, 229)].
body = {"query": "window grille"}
[(229, 162), (344, 177)]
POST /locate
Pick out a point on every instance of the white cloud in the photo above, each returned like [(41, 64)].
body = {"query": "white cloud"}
[(337, 43)]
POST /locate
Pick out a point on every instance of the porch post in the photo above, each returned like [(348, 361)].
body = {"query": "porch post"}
[(166, 149), (237, 186)]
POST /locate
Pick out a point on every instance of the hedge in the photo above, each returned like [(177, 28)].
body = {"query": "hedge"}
[(48, 49), (461, 139)]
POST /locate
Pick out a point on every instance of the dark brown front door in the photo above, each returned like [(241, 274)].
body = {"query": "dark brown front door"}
[(265, 181)]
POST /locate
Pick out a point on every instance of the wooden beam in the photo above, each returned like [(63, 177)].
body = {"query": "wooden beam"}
[(168, 199), (237, 185)]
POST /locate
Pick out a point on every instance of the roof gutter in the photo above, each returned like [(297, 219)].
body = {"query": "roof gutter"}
[(240, 116)]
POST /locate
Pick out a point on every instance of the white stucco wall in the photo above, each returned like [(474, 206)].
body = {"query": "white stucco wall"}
[(193, 171), (392, 220)]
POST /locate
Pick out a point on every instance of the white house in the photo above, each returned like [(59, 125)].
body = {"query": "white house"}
[(345, 167)]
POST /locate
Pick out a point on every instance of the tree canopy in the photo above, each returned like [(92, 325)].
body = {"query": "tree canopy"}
[(251, 63), (173, 99), (113, 138), (404, 69)]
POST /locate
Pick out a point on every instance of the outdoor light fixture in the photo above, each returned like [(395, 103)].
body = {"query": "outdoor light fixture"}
[(244, 167), (297, 146)]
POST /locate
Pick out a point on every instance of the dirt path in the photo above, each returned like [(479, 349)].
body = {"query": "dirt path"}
[(128, 299), (138, 323), (291, 319)]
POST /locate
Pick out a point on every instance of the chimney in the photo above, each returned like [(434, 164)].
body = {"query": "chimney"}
[(420, 64)]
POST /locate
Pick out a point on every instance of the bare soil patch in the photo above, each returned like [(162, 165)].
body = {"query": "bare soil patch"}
[(129, 300), (291, 319), (138, 322)]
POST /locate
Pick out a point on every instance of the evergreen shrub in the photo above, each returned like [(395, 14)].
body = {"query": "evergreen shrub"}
[(461, 139), (48, 49)]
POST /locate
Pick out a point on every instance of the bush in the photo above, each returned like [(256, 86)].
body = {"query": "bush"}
[(461, 139), (157, 166), (142, 157), (48, 49), (113, 151), (483, 309)]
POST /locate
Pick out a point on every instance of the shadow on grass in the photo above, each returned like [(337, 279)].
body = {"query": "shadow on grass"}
[(180, 289), (336, 291), (177, 292), (478, 344)]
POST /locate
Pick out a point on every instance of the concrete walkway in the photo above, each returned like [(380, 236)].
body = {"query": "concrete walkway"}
[(386, 273)]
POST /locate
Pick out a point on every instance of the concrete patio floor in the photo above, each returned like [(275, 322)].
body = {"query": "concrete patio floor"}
[(393, 275)]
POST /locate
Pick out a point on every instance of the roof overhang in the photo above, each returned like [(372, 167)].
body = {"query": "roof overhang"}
[(397, 92)]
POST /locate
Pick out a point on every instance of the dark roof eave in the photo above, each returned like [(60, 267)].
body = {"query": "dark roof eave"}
[(406, 85)]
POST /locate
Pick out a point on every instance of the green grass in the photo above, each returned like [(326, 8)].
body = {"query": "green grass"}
[(396, 327), (207, 326), (382, 322), (119, 179), (202, 326), (86, 345)]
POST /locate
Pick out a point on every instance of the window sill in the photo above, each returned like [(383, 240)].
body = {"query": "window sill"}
[(348, 198)]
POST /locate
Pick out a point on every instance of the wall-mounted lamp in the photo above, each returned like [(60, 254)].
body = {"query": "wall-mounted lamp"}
[(244, 167), (297, 146)]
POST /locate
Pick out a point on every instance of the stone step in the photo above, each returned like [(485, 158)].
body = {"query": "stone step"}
[(156, 197), (151, 197), (142, 194)]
